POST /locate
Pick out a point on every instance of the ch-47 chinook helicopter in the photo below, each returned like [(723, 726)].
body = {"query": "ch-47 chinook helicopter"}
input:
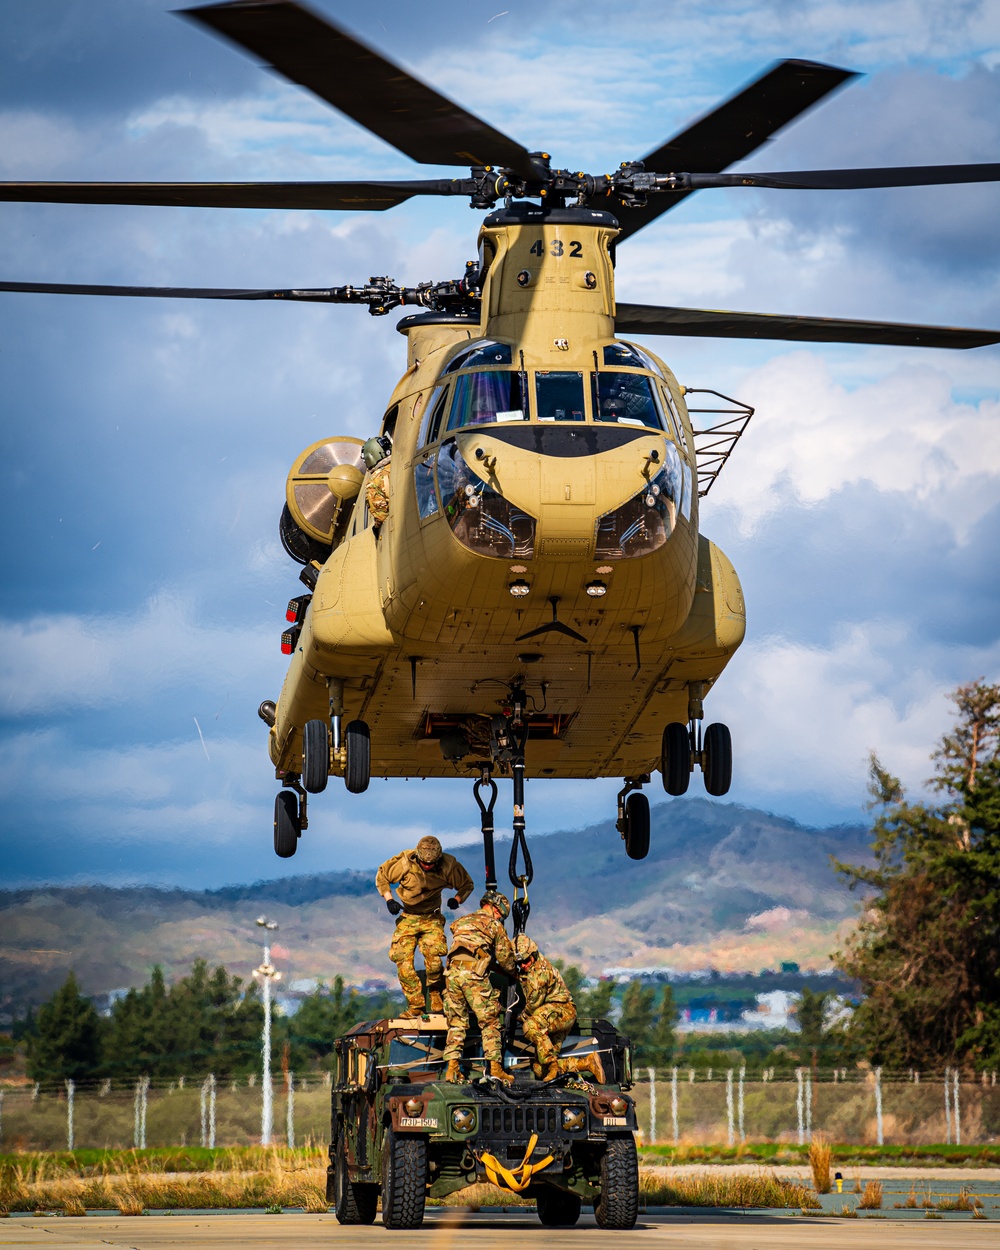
[(539, 596)]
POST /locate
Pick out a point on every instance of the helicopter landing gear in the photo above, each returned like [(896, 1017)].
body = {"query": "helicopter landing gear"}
[(351, 744), (290, 818), (315, 756), (684, 746), (633, 817), (717, 759), (675, 758)]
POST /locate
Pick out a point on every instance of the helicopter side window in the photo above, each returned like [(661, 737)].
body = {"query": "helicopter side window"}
[(482, 355), (432, 416), (627, 398), (423, 482), (389, 422), (485, 398), (558, 396)]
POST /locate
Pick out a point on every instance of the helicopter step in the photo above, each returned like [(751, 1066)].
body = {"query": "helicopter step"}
[(685, 747)]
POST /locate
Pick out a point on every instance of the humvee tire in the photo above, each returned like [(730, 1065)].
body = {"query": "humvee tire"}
[(556, 1207), (618, 1205), (352, 1204), (404, 1181)]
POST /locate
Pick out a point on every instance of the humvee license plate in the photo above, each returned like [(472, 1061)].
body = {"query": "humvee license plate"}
[(419, 1121), (615, 1120)]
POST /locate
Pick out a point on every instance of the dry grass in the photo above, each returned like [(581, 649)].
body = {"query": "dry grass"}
[(871, 1198), (819, 1164), (760, 1189)]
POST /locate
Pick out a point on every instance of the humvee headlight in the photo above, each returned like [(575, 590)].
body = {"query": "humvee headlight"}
[(618, 1106), (574, 1118), (414, 1106), (464, 1119)]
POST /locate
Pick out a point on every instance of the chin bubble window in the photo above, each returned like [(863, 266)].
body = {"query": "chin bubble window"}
[(480, 517), (627, 398), (487, 398), (423, 482), (558, 396), (644, 522)]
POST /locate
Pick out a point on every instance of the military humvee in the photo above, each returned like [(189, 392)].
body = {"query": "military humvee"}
[(401, 1133)]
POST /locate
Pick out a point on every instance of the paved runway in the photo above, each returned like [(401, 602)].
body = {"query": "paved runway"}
[(485, 1231)]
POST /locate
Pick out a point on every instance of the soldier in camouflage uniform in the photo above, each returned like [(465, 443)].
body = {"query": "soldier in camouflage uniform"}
[(419, 877), (376, 455), (548, 1013), (478, 942)]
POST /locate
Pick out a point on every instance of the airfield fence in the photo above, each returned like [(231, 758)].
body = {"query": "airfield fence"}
[(685, 1106)]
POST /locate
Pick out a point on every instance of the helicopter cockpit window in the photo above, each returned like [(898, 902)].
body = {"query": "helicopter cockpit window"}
[(629, 356), (389, 422), (558, 396), (628, 398), (431, 423), (485, 398), (482, 355), (423, 483)]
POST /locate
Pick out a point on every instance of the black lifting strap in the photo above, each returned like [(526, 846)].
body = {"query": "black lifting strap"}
[(486, 811), (520, 908)]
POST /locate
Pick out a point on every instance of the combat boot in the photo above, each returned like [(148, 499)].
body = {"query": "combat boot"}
[(437, 1003), (498, 1071), (584, 1063), (453, 1072), (552, 1070), (411, 1013)]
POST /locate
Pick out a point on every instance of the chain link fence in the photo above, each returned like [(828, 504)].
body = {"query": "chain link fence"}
[(674, 1105)]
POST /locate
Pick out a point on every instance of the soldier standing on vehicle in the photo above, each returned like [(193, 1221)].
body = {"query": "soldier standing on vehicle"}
[(478, 942), (548, 1013), (419, 877)]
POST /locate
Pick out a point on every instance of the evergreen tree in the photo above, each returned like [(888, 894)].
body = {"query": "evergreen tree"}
[(927, 949), (323, 1016), (67, 1041), (595, 1004), (662, 1045), (636, 1020)]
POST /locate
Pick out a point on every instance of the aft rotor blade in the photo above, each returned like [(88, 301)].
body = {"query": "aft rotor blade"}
[(326, 295), (708, 323), (852, 179), (736, 128), (309, 50), (341, 196)]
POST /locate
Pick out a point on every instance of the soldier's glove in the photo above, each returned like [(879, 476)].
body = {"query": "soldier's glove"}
[(454, 904), (393, 906)]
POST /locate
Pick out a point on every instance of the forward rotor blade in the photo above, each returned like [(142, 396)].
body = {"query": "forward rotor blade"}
[(342, 196), (318, 296), (853, 179), (736, 128), (708, 323), (382, 97)]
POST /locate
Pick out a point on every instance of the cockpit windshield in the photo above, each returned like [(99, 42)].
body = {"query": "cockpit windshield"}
[(485, 398), (628, 398)]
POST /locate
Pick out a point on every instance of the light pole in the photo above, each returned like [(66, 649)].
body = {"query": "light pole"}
[(267, 974)]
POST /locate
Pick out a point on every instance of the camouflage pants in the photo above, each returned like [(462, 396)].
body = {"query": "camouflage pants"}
[(426, 934), (467, 989), (546, 1029)]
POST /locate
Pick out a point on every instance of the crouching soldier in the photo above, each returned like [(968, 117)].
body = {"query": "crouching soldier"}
[(548, 1013), (419, 877), (479, 941)]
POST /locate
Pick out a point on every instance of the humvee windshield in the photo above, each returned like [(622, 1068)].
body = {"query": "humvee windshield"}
[(417, 1053)]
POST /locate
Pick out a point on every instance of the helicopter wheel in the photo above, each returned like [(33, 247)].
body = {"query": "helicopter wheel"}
[(358, 742), (287, 826), (675, 758), (636, 826), (315, 756), (717, 759)]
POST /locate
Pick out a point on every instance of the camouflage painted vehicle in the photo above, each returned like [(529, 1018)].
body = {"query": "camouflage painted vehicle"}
[(402, 1134)]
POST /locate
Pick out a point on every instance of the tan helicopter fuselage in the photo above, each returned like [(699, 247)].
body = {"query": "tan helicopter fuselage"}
[(418, 620)]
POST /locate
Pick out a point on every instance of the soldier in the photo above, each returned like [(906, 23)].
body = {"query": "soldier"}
[(419, 877), (478, 941), (548, 1013), (376, 453)]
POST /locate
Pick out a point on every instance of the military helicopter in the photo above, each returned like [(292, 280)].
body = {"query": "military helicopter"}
[(509, 577)]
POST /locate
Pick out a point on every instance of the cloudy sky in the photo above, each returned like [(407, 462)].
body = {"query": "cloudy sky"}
[(145, 444)]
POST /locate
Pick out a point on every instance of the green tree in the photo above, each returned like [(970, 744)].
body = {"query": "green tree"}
[(323, 1016), (662, 1045), (811, 1017), (595, 1003), (67, 1041), (927, 948), (636, 1020)]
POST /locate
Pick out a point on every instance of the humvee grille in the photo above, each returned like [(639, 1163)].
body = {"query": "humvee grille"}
[(518, 1121)]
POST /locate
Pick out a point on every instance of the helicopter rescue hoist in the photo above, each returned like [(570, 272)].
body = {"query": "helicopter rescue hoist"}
[(511, 577)]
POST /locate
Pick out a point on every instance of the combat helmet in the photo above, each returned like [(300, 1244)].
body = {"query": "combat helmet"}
[(429, 849), (498, 900), (524, 948), (375, 451)]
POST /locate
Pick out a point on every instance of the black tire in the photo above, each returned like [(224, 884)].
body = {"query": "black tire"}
[(315, 756), (358, 741), (636, 826), (618, 1205), (352, 1203), (717, 759), (556, 1207), (404, 1181), (286, 824), (675, 758)]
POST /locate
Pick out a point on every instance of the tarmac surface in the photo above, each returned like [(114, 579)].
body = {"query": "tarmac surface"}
[(449, 1230)]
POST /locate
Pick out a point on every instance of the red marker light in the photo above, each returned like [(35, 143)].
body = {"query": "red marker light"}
[(287, 643)]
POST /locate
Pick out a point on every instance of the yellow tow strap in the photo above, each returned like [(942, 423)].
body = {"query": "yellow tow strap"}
[(517, 1178)]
